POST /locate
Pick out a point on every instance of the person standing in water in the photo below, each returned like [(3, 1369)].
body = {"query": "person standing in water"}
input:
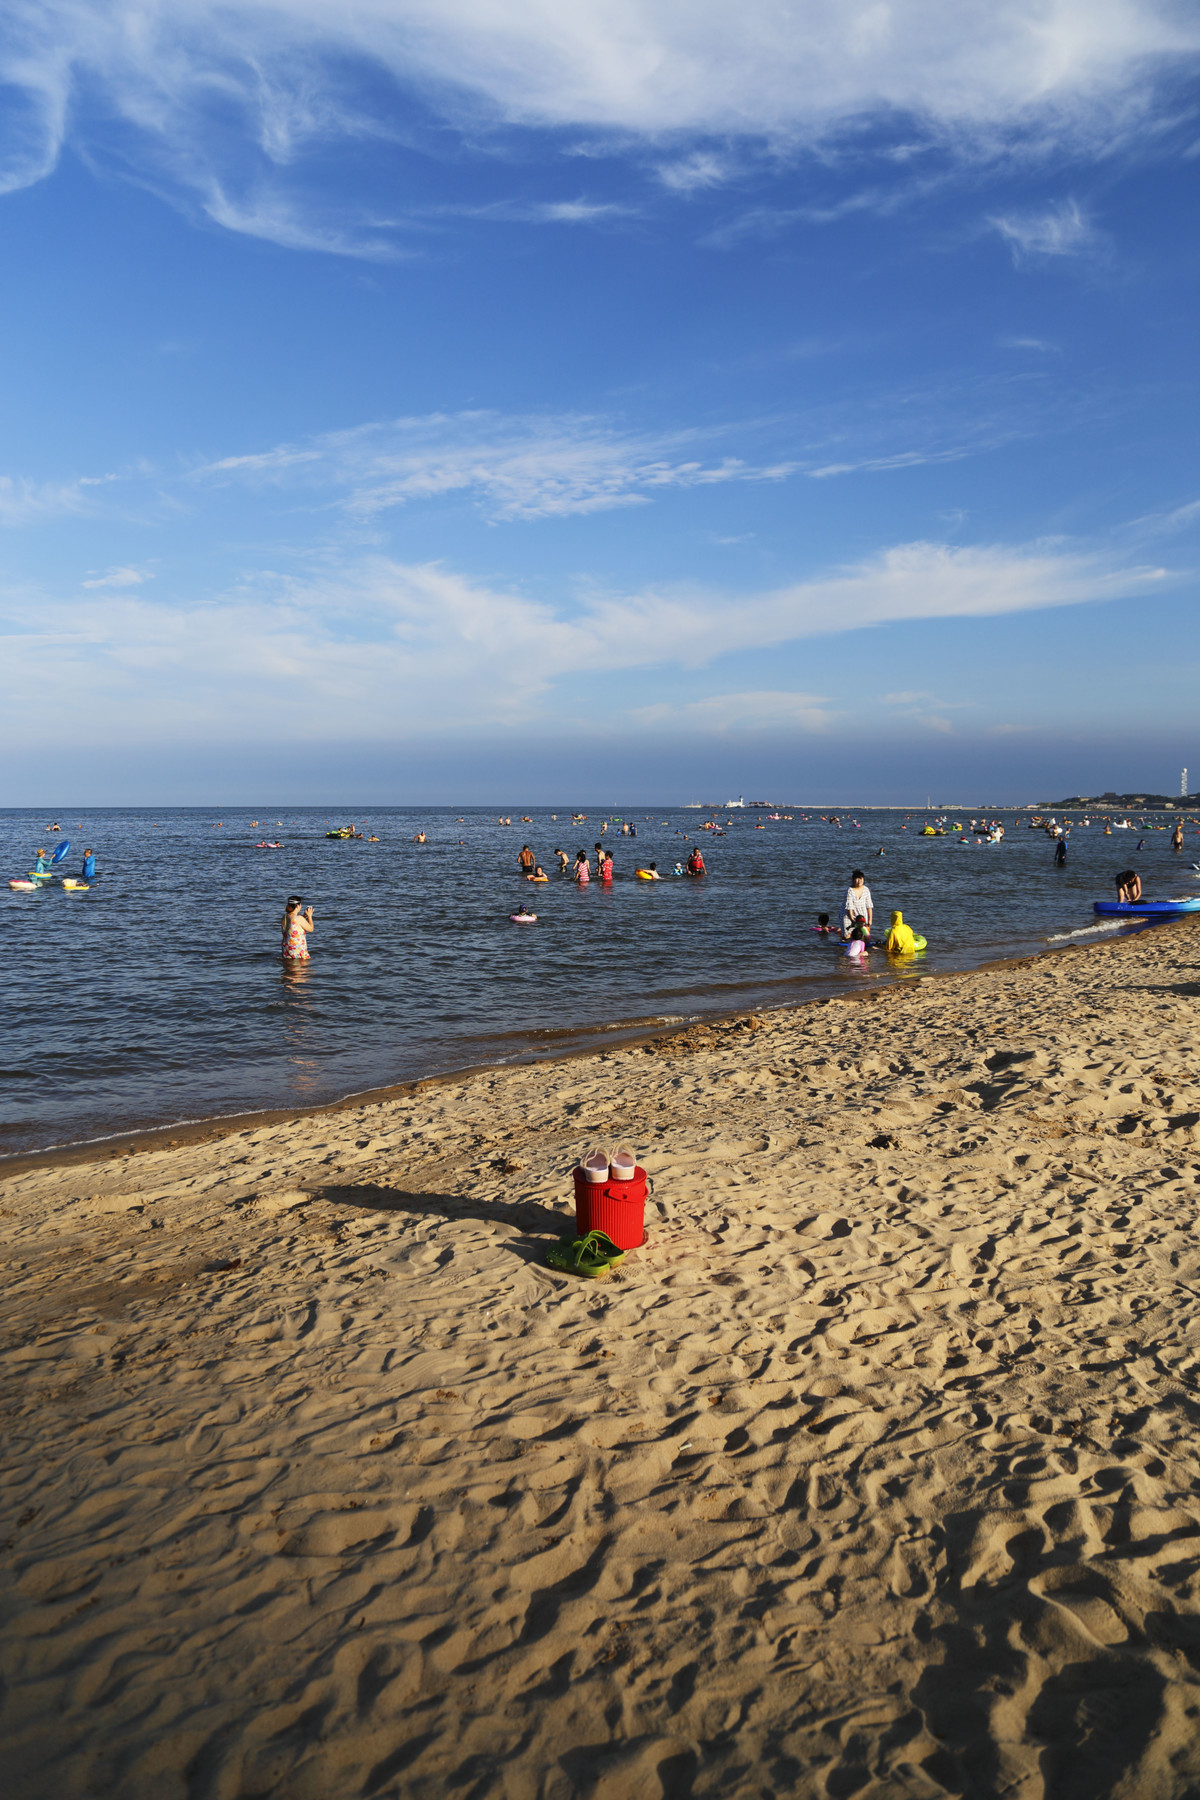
[(581, 871), (295, 925), (858, 907), (1060, 853), (1177, 835), (88, 871), (527, 860)]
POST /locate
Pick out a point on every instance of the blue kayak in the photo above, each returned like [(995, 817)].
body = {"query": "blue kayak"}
[(1145, 909)]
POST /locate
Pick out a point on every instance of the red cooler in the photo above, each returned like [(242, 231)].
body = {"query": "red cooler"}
[(615, 1207)]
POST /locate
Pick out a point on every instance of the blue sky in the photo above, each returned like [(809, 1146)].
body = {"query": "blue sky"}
[(608, 399)]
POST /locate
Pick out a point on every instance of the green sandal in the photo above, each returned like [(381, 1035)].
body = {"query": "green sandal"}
[(593, 1255)]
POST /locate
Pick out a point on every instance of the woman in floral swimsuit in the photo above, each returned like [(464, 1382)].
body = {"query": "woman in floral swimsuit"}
[(296, 924)]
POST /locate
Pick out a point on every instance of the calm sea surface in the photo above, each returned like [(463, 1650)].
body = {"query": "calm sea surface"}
[(160, 996)]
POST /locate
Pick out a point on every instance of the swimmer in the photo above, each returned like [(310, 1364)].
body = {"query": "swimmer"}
[(295, 925), (650, 872), (823, 926), (539, 874)]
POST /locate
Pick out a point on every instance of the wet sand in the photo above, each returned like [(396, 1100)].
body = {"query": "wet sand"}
[(874, 1472)]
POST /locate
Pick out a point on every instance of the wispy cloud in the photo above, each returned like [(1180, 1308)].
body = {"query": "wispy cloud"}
[(904, 459), (25, 502), (699, 170), (228, 107), (918, 697), (326, 658), (1061, 230), (553, 212), (536, 467), (512, 467), (294, 223), (118, 578)]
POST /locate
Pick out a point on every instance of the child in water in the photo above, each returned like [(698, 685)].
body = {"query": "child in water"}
[(295, 925), (822, 925)]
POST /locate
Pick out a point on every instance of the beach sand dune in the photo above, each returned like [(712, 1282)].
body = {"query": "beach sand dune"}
[(875, 1472)]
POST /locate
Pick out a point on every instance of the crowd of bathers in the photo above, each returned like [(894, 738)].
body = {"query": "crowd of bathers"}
[(581, 871), (858, 918)]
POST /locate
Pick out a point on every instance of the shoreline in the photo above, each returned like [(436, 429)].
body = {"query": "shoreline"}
[(212, 1128)]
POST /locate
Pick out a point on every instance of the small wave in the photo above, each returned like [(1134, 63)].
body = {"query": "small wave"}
[(1060, 937)]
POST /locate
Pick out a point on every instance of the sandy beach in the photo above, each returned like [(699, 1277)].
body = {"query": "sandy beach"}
[(874, 1472)]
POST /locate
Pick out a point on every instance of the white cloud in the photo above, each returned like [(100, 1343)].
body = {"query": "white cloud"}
[(564, 212), (1060, 230), (689, 174), (1030, 343), (118, 578), (208, 98), (538, 467), (378, 650)]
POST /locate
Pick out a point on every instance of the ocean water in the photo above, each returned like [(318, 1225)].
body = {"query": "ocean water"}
[(160, 996)]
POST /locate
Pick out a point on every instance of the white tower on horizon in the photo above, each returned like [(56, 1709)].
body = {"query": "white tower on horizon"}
[(1183, 783)]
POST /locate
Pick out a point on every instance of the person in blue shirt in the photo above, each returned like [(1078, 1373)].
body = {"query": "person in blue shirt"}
[(88, 870)]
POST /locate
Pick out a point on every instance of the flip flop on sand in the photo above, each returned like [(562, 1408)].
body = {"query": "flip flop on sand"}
[(593, 1255)]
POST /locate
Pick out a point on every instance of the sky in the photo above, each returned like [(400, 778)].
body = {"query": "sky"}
[(598, 400)]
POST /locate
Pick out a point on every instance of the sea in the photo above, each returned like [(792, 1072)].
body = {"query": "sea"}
[(159, 996)]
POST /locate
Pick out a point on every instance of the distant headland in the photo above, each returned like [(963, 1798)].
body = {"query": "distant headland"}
[(1128, 802)]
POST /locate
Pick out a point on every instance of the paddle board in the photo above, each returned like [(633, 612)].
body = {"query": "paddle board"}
[(1149, 909)]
